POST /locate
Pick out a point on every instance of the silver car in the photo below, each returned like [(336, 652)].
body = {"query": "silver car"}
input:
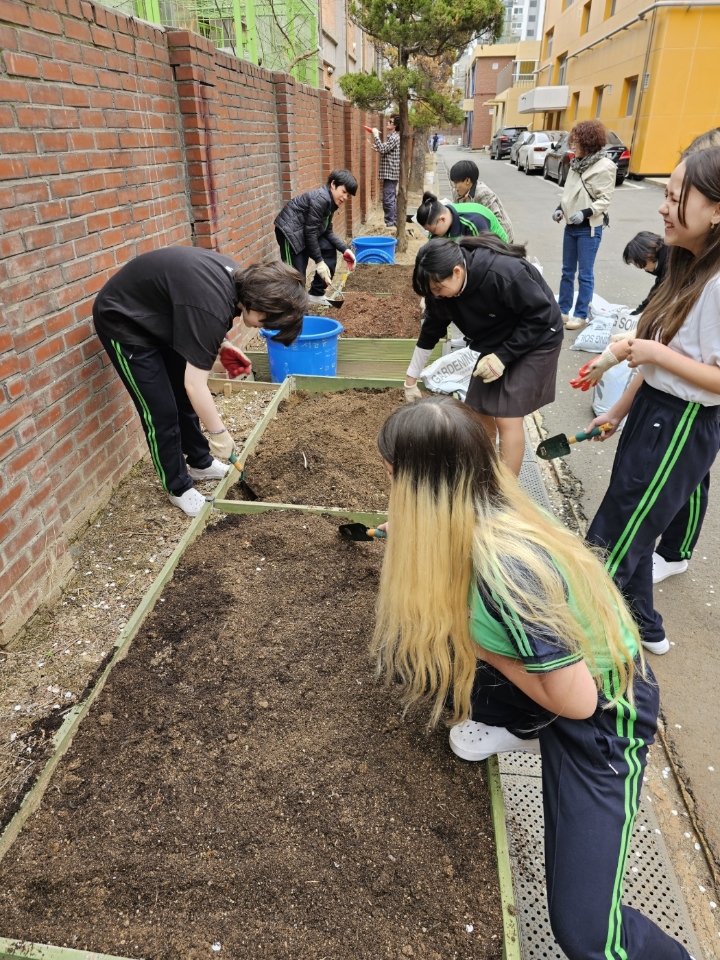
[(531, 154), (521, 138)]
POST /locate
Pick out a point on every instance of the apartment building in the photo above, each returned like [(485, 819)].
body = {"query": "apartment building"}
[(648, 71), (496, 78)]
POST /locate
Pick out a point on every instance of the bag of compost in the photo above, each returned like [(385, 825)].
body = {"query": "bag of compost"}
[(451, 373)]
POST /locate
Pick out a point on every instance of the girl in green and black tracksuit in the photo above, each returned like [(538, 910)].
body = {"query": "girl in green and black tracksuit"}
[(490, 603), (455, 220), (672, 432)]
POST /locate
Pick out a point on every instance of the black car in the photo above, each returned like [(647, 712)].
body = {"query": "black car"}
[(503, 140), (557, 159)]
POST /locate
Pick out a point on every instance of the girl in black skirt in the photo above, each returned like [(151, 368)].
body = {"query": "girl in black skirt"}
[(507, 312)]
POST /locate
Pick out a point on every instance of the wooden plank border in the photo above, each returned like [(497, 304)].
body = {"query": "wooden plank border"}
[(17, 949), (511, 934)]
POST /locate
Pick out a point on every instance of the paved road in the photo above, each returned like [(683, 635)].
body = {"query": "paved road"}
[(689, 675)]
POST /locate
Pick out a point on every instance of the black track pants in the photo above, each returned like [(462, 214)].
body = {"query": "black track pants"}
[(154, 378), (681, 535), (664, 455), (592, 774), (300, 261)]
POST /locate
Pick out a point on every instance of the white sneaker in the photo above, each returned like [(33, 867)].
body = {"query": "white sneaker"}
[(662, 568), (191, 502), (658, 648), (216, 471), (320, 301), (474, 741)]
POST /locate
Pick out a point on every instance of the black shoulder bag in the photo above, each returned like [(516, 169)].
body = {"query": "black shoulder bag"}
[(606, 215)]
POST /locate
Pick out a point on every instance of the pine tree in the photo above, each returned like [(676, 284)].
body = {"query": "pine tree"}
[(409, 30)]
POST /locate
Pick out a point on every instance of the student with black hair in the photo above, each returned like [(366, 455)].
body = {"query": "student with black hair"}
[(456, 220), (303, 230), (162, 318), (465, 178), (648, 252), (508, 313)]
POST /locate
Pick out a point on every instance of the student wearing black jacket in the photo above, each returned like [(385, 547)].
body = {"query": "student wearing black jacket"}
[(648, 252), (303, 230), (507, 312)]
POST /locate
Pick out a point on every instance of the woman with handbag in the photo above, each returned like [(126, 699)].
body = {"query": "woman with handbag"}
[(586, 197)]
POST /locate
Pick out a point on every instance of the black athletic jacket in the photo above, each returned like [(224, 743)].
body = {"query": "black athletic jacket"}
[(660, 271), (306, 218), (506, 308)]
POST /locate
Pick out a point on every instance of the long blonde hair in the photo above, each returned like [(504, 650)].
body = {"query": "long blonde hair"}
[(456, 513)]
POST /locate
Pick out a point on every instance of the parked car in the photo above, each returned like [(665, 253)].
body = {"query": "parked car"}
[(557, 159), (502, 141), (531, 155), (519, 140)]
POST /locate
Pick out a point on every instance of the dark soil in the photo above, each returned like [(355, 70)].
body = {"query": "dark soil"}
[(242, 784), (377, 315), (304, 454), (380, 278)]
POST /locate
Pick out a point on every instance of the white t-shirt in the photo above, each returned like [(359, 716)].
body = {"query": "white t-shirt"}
[(699, 339)]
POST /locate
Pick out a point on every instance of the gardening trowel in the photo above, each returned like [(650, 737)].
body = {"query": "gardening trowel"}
[(559, 446), (358, 531), (334, 294), (247, 489)]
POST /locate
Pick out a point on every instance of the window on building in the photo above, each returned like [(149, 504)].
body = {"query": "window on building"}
[(566, 4), (609, 8), (597, 101), (532, 18), (561, 69), (574, 105), (585, 25), (549, 43), (630, 93)]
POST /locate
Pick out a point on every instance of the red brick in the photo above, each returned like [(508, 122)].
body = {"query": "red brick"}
[(11, 169), (33, 43), (50, 142), (102, 38), (45, 22), (14, 90), (14, 13), (17, 142), (57, 72), (42, 166), (84, 76), (77, 30), (22, 65), (50, 348), (33, 116)]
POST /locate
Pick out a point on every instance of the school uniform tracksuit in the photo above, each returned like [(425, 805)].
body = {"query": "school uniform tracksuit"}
[(592, 772), (161, 311)]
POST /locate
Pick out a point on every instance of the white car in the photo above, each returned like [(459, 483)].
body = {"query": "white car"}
[(531, 155)]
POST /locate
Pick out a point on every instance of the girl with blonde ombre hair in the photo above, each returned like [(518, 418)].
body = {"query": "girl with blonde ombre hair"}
[(487, 601)]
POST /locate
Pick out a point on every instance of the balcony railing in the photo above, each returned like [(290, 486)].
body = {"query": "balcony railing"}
[(518, 73)]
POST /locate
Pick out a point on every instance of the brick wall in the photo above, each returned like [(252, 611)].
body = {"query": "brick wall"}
[(485, 89), (117, 138)]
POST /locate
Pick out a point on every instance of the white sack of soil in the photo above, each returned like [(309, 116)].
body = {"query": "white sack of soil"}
[(452, 373)]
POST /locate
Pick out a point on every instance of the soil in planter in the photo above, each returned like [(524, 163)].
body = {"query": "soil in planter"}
[(370, 315), (322, 450), (380, 278), (242, 781)]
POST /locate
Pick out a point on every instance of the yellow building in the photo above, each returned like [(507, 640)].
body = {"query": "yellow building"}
[(649, 72)]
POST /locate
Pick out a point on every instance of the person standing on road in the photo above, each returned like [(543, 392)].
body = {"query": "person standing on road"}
[(389, 172), (586, 197), (672, 433), (162, 319), (456, 220), (490, 603), (507, 312), (303, 230), (465, 178), (434, 139)]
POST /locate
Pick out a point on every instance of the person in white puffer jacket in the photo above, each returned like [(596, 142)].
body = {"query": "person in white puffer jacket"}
[(586, 197)]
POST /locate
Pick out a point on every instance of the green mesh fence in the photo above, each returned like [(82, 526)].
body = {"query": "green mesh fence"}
[(275, 34)]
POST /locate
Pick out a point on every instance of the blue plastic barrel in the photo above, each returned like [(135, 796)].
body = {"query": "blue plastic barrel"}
[(375, 249), (314, 353)]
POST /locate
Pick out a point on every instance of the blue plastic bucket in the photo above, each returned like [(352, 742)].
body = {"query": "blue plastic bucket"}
[(375, 249), (314, 352)]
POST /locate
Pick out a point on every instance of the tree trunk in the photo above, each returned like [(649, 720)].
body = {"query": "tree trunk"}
[(405, 137), (417, 164)]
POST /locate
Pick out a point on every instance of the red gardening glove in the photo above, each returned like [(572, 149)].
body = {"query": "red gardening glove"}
[(349, 258), (579, 382), (369, 129), (235, 362)]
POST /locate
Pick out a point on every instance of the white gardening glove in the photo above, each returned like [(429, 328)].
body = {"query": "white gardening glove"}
[(557, 215), (489, 368), (221, 445), (625, 335), (577, 218), (412, 393), (324, 270)]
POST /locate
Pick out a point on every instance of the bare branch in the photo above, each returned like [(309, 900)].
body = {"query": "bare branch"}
[(303, 56)]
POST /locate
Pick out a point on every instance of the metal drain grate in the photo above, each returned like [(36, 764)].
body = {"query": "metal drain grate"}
[(531, 479), (650, 884)]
